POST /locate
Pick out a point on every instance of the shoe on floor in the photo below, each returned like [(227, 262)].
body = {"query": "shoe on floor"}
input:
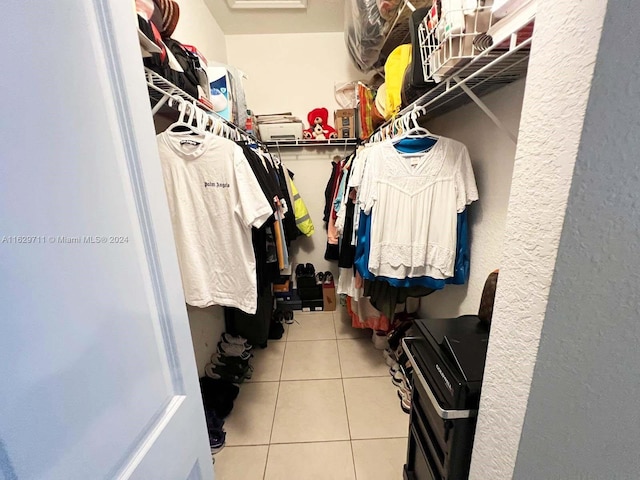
[(217, 438), (231, 350), (389, 358), (228, 364), (379, 341), (310, 270), (405, 401), (398, 378), (221, 372), (213, 421), (236, 340), (276, 330), (220, 359)]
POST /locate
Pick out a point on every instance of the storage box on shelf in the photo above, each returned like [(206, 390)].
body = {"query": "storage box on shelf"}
[(345, 121), (452, 34)]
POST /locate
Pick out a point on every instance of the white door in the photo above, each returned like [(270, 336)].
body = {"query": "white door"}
[(97, 372)]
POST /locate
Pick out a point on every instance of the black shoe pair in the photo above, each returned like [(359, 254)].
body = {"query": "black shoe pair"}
[(280, 316), (324, 278), (307, 270), (230, 372), (395, 335)]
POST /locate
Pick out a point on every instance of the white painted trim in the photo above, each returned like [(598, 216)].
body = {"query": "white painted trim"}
[(259, 4)]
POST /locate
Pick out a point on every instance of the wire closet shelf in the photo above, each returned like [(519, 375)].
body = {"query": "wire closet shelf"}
[(496, 66), (161, 90)]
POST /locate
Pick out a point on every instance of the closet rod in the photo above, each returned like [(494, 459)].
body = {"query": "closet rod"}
[(168, 90)]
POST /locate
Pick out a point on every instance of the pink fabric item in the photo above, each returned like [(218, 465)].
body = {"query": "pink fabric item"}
[(144, 8), (364, 315)]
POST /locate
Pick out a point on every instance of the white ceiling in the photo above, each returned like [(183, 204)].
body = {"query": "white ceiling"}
[(319, 16)]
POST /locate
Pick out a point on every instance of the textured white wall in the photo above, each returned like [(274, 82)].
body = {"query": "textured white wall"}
[(296, 73), (198, 27), (493, 167), (558, 84), (582, 419)]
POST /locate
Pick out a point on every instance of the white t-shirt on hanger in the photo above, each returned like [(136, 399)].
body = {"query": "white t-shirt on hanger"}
[(214, 200)]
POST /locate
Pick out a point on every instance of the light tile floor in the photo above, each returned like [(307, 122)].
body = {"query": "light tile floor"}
[(320, 405)]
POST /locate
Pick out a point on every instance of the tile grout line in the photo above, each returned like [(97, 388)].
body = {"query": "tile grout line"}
[(344, 396), (403, 437), (395, 437), (275, 407)]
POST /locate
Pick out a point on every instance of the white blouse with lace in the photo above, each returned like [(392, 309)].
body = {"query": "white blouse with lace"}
[(414, 201)]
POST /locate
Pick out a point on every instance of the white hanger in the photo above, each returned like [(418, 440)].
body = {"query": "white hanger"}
[(415, 130), (188, 124)]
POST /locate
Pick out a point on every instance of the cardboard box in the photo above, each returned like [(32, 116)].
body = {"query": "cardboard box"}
[(329, 297), (284, 287), (345, 122), (312, 305)]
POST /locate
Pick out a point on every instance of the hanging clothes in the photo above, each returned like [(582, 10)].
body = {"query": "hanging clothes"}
[(414, 203), (409, 224), (303, 219), (333, 250), (266, 267), (289, 220), (214, 201)]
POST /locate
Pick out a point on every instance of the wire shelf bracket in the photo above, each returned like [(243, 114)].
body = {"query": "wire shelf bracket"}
[(488, 112)]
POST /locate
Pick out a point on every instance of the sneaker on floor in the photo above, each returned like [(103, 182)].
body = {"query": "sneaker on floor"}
[(405, 401), (221, 372), (235, 368), (217, 438), (231, 350), (379, 341), (276, 331), (395, 336), (236, 340), (213, 421), (389, 358), (394, 368), (399, 380), (288, 316), (220, 359)]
